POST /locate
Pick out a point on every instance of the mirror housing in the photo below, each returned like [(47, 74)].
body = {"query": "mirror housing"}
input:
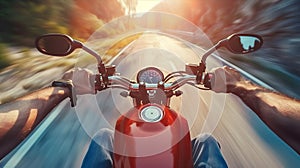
[(236, 43), (243, 43), (56, 44)]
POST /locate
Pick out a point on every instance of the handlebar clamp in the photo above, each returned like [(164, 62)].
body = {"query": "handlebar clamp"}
[(197, 70)]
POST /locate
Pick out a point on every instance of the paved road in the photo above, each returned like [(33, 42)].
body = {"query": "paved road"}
[(245, 140)]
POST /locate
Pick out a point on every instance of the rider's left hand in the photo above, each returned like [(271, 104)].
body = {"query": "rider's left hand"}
[(83, 80)]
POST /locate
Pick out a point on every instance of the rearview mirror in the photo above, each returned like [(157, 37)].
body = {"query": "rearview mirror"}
[(56, 44), (243, 43)]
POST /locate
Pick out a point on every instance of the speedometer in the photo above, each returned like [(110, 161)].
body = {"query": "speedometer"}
[(150, 75)]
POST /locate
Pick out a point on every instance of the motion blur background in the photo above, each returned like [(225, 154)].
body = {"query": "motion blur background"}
[(23, 70)]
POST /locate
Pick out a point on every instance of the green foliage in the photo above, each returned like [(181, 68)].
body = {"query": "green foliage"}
[(4, 60), (22, 21)]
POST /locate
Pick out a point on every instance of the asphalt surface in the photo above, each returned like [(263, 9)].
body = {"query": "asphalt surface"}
[(245, 140)]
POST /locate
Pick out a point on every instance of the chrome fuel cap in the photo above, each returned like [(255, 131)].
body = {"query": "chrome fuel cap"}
[(151, 114)]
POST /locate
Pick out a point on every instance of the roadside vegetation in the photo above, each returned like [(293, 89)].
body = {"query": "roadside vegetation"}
[(22, 68), (4, 58)]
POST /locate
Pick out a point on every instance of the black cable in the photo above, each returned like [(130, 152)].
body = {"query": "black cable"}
[(172, 75)]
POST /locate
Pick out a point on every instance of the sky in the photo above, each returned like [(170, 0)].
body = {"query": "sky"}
[(145, 5)]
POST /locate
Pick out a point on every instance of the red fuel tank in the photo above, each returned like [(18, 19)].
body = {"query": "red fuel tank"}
[(152, 136)]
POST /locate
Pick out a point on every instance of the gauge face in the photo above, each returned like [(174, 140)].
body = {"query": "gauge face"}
[(150, 75)]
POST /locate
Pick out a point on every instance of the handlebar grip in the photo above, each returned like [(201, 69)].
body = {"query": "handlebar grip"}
[(207, 80)]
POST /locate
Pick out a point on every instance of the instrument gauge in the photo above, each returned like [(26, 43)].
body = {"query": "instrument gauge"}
[(150, 75)]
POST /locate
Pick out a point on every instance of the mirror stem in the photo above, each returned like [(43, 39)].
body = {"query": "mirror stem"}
[(212, 49), (93, 53), (101, 66)]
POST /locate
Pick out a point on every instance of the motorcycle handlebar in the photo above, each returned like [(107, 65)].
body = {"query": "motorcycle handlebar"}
[(128, 85)]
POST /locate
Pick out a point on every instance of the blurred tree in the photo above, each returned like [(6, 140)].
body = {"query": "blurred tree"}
[(212, 16), (22, 21), (4, 60), (88, 15), (131, 6), (102, 9)]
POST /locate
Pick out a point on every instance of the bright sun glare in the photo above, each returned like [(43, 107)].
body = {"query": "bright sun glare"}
[(145, 5)]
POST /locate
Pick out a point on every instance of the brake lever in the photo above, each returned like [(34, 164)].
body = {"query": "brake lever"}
[(101, 80), (207, 80), (99, 85)]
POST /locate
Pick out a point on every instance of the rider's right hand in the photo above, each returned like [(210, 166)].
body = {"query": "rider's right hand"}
[(226, 80), (83, 80)]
